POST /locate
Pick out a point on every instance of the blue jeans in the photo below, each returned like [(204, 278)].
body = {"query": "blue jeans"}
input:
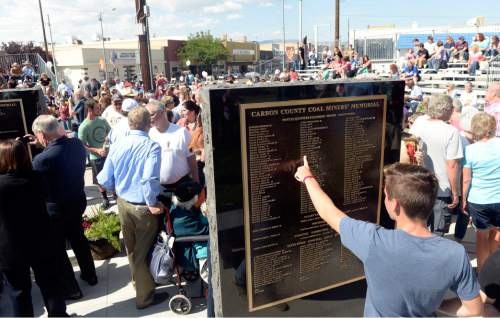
[(473, 68), (440, 218), (67, 124), (413, 105), (433, 64), (491, 52)]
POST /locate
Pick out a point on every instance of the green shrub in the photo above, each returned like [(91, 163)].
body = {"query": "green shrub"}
[(102, 225)]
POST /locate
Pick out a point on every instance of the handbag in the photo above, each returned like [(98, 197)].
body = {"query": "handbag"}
[(162, 259)]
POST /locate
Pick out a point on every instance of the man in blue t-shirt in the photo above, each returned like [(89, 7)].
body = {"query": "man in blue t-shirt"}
[(408, 270)]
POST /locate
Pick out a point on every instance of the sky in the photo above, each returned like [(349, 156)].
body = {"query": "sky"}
[(257, 19)]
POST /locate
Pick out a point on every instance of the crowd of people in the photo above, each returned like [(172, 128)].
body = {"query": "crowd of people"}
[(433, 55), (460, 145), (146, 152), (342, 64), (430, 55), (23, 77)]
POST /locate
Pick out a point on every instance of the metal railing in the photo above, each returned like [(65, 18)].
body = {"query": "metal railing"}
[(37, 62), (267, 67), (377, 49), (493, 70)]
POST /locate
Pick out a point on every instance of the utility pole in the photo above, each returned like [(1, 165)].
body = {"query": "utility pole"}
[(103, 49), (53, 51), (142, 13), (284, 49), (300, 21), (44, 35), (348, 32), (337, 22), (316, 40), (150, 59)]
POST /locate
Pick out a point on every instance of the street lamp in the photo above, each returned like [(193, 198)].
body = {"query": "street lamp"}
[(104, 47), (316, 26)]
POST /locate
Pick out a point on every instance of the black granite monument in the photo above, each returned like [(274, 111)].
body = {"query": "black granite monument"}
[(271, 253), (18, 110)]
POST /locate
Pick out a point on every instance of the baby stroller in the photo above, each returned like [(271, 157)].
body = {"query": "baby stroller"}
[(167, 258)]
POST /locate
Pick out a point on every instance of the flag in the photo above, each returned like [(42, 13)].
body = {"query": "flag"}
[(113, 58)]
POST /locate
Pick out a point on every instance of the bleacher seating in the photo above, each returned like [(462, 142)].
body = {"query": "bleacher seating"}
[(405, 41), (309, 72), (436, 82), (456, 74)]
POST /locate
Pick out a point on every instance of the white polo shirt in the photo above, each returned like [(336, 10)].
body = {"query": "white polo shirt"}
[(174, 144)]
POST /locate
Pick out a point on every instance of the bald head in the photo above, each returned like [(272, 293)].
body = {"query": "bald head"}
[(493, 93)]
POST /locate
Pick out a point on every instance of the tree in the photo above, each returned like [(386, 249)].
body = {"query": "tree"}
[(21, 48), (203, 49)]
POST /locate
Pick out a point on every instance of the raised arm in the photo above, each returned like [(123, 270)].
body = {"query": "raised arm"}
[(322, 203)]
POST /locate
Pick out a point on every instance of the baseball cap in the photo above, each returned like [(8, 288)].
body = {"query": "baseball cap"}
[(129, 104), (116, 97)]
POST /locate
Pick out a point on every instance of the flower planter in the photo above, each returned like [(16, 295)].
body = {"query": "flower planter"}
[(102, 231), (101, 249)]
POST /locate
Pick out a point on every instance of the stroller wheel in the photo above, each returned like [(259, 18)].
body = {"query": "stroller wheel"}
[(180, 304)]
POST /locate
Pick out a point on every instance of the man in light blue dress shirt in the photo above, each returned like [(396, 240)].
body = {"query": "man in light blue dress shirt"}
[(132, 169)]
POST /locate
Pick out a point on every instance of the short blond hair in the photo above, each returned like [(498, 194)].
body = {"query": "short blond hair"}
[(483, 125), (139, 119)]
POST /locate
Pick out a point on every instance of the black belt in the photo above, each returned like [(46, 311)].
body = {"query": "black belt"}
[(133, 203)]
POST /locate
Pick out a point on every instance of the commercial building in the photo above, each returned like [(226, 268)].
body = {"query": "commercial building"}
[(121, 59), (241, 54)]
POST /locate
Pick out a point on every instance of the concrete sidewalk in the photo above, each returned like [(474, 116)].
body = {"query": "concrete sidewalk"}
[(114, 295)]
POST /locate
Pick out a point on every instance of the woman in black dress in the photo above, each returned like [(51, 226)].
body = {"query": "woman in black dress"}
[(25, 239)]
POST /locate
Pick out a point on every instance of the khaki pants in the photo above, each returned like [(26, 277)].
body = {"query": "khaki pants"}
[(140, 228)]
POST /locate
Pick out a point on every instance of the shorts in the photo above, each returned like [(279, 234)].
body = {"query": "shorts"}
[(485, 216), (97, 165)]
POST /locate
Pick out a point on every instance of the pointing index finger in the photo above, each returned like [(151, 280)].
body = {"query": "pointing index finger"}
[(306, 164)]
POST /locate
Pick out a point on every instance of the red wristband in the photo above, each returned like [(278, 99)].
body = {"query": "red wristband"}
[(307, 177)]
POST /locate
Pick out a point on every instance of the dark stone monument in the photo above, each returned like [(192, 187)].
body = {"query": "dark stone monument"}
[(272, 255), (18, 110)]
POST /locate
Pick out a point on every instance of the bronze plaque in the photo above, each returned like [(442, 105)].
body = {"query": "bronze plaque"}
[(290, 251)]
